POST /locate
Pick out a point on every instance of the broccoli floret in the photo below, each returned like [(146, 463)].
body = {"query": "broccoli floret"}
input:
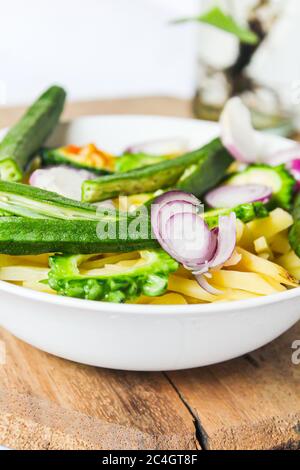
[(148, 277), (244, 212), (277, 178)]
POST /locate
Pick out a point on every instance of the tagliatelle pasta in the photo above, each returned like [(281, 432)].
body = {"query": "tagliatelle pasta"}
[(252, 276)]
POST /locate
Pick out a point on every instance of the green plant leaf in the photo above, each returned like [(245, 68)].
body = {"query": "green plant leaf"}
[(217, 18)]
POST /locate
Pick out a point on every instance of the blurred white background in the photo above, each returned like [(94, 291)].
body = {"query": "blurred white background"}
[(111, 48), (96, 48)]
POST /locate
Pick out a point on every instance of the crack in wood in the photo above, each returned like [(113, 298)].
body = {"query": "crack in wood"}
[(200, 434)]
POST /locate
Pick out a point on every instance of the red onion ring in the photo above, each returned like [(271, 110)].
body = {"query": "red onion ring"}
[(185, 235), (231, 196), (294, 168), (237, 133), (206, 286), (61, 179), (284, 156), (190, 238), (226, 240)]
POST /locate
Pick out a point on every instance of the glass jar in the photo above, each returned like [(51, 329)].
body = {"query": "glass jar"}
[(227, 68)]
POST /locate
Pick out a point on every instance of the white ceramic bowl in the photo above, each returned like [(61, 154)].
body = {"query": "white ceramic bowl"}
[(144, 337)]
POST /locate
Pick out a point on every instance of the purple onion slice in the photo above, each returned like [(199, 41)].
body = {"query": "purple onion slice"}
[(237, 133), (61, 179), (231, 196)]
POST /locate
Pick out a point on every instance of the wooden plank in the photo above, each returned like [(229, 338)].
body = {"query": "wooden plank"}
[(249, 403), (45, 402), (49, 403)]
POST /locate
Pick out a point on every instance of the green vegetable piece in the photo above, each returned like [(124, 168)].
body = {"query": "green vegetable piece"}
[(206, 174), (145, 180), (277, 178), (129, 162), (149, 278), (9, 170), (58, 157), (296, 208), (217, 18), (24, 236), (294, 235), (244, 212), (28, 201), (24, 139)]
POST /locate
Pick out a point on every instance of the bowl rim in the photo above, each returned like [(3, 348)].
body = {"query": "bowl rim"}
[(146, 309)]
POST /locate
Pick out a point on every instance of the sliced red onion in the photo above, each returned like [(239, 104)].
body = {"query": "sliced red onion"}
[(231, 196), (184, 234), (188, 236), (202, 281), (237, 133), (62, 180), (225, 245), (226, 240), (284, 156), (160, 147), (176, 196), (174, 201), (294, 169)]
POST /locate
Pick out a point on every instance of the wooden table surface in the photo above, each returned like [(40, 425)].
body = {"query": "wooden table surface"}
[(49, 403)]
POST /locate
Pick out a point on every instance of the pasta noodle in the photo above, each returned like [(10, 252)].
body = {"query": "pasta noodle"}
[(263, 263)]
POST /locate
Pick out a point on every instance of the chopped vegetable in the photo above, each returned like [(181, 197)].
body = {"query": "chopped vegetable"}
[(183, 234), (263, 248), (28, 135), (62, 180), (294, 237), (291, 262), (24, 236), (278, 179), (237, 250), (88, 158), (296, 207), (277, 221), (243, 212), (112, 283), (229, 196), (28, 201), (285, 156), (206, 174), (129, 162), (149, 179), (294, 168), (280, 243), (237, 133)]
